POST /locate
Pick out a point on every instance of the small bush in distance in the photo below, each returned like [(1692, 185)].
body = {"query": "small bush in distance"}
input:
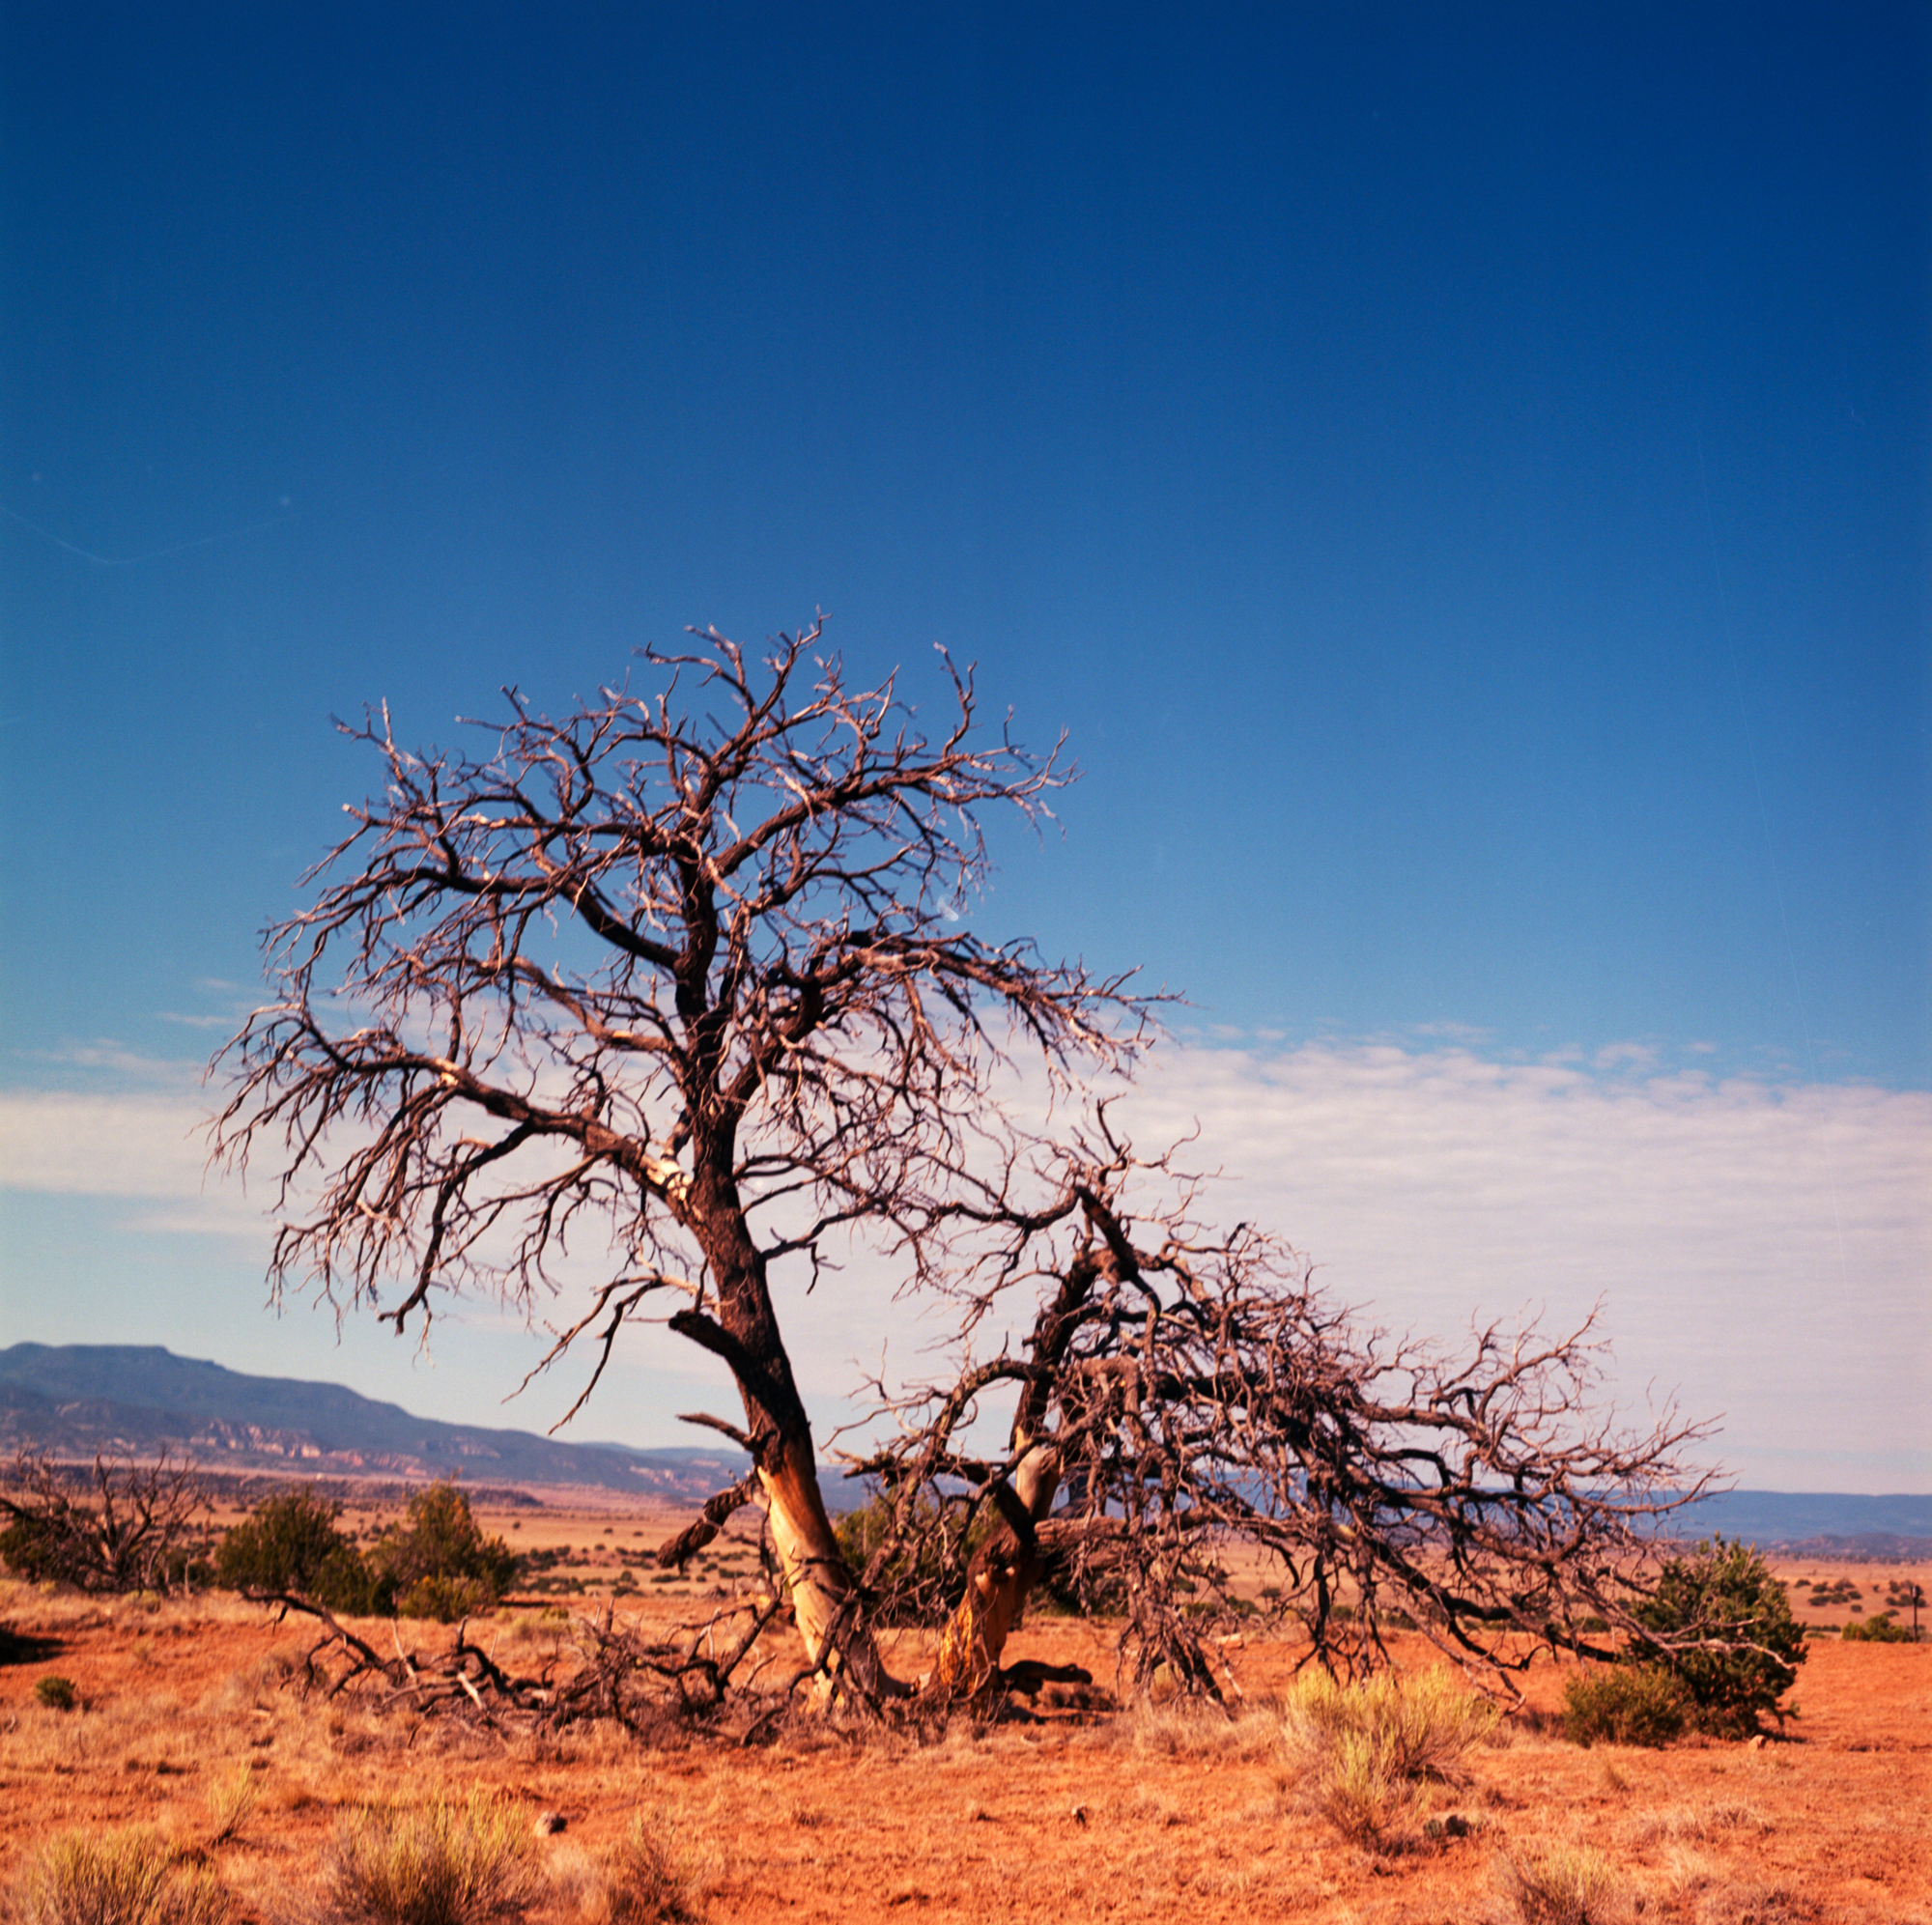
[(436, 1864), (1633, 1703), (440, 1564), (291, 1543), (114, 1877), (1558, 1884), (1880, 1629), (58, 1694), (1723, 1592)]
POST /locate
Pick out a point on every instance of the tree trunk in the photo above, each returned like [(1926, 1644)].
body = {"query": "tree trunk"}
[(826, 1605), (1004, 1569), (830, 1614), (998, 1581)]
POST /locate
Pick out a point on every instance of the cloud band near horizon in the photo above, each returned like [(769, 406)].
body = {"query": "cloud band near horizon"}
[(1761, 1251)]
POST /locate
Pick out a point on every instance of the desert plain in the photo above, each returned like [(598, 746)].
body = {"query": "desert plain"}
[(192, 1719)]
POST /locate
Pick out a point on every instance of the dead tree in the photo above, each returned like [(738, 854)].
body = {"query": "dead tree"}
[(1181, 1393), (121, 1526), (686, 970), (684, 975)]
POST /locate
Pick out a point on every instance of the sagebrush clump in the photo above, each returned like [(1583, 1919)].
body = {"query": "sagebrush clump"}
[(114, 1877), (441, 1863), (1369, 1751)]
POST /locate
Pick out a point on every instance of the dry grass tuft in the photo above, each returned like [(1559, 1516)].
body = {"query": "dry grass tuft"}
[(1368, 1752), (439, 1864), (114, 1877), (1187, 1728), (650, 1881), (1710, 1820), (231, 1799), (1749, 1904), (1559, 1884)]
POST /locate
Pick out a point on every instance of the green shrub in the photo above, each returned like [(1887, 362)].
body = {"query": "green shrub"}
[(1635, 1704), (1367, 1751), (446, 1600), (1722, 1595), (1880, 1630), (114, 1877), (440, 1564), (291, 1543), (59, 1694), (436, 1864)]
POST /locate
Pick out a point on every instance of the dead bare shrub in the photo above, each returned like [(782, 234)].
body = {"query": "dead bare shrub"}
[(146, 1528)]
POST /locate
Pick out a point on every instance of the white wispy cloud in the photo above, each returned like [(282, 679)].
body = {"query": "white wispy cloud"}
[(147, 1147), (76, 1144), (1761, 1249)]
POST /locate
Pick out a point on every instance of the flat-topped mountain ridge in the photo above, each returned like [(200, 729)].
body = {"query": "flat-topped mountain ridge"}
[(72, 1400)]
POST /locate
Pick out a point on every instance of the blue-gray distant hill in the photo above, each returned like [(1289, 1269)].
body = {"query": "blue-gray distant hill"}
[(1816, 1523), (74, 1399), (78, 1398)]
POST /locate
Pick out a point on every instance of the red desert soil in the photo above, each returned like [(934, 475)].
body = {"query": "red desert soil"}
[(1149, 1814)]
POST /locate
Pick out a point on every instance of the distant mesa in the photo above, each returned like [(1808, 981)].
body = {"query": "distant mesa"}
[(1820, 1524), (74, 1399)]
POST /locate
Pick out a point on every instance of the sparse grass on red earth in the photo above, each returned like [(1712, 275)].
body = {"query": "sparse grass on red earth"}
[(190, 1725)]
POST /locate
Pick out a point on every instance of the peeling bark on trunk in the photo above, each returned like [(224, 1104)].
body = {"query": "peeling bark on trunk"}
[(826, 1604), (998, 1581)]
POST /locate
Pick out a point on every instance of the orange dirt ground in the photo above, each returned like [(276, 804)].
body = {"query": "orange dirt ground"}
[(1150, 1814)]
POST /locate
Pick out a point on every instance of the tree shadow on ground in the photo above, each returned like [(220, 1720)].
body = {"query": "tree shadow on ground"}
[(27, 1647)]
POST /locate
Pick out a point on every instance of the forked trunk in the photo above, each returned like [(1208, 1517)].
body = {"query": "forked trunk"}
[(1004, 1571), (826, 1605)]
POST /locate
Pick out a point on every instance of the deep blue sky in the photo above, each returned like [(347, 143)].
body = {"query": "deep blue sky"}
[(1462, 481), (1460, 476)]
